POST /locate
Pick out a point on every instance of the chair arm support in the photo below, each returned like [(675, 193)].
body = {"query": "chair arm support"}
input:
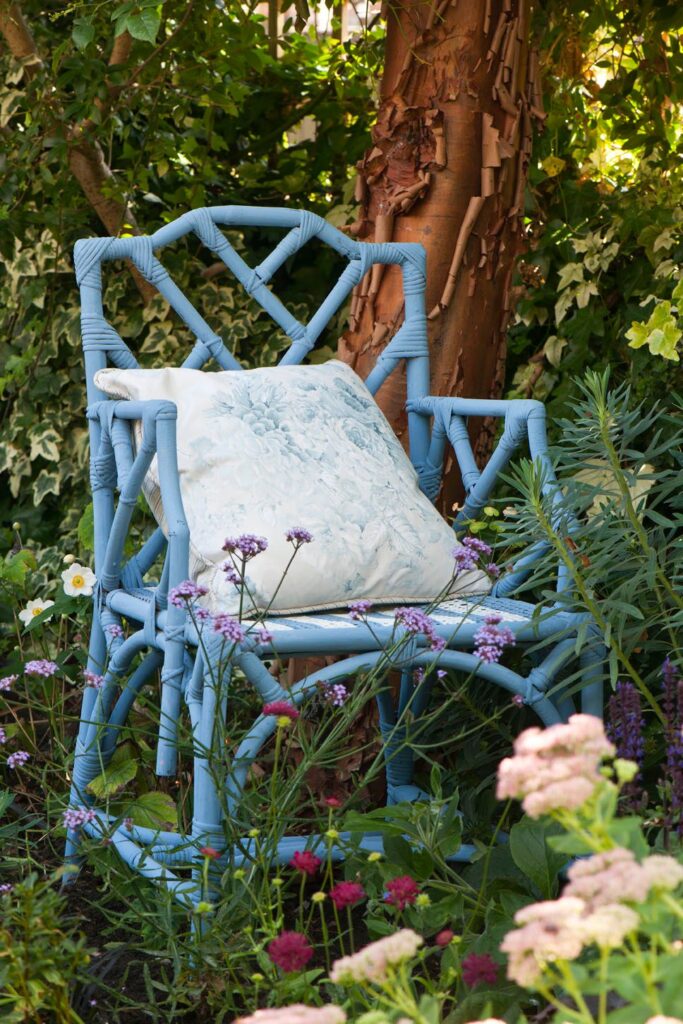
[(158, 420)]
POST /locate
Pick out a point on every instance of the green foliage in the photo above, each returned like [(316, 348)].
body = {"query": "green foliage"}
[(42, 956), (604, 205), (199, 113), (619, 465)]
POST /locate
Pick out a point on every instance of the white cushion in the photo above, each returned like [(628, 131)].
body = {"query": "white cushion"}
[(261, 451)]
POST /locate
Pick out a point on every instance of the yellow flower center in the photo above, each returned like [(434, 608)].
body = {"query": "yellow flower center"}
[(77, 581), (37, 611)]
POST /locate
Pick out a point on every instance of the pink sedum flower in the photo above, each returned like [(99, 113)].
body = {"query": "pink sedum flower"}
[(374, 961), (555, 768), (297, 1014)]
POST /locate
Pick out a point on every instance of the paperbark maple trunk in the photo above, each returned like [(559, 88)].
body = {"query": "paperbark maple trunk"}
[(459, 97)]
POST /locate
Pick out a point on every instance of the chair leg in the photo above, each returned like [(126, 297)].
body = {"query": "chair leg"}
[(207, 816)]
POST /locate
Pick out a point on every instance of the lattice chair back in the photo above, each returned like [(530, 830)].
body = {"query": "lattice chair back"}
[(102, 343)]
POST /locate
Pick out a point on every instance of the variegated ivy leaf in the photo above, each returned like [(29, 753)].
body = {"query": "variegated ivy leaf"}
[(584, 292), (552, 349), (45, 445), (571, 272), (47, 482), (661, 333)]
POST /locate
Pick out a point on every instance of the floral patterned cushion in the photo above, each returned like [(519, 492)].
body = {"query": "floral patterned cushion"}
[(261, 451)]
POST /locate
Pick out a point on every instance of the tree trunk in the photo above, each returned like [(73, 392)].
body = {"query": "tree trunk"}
[(459, 97)]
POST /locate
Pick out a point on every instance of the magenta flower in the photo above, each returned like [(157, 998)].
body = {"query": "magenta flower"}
[(401, 891), (41, 667), (290, 951), (479, 967), (114, 630), (347, 894), (280, 708), (229, 628), (306, 862)]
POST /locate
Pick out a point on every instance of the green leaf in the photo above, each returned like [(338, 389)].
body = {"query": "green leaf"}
[(661, 333), (145, 24), (6, 798), (82, 33), (86, 528), (114, 778), (533, 856), (154, 810)]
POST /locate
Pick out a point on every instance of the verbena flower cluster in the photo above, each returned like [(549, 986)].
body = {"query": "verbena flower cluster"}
[(415, 621), (184, 592), (74, 817), (7, 682), (298, 535), (18, 758), (555, 768), (229, 628), (491, 639), (248, 545), (93, 679), (359, 609), (41, 667)]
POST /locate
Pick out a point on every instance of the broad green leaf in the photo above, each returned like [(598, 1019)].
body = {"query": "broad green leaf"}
[(114, 778), (154, 810), (82, 33), (86, 528), (145, 24), (532, 855)]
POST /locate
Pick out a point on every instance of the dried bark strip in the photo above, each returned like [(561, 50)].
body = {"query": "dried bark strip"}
[(459, 101)]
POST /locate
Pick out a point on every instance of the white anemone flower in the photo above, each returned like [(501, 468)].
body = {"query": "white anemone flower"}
[(79, 580), (34, 608)]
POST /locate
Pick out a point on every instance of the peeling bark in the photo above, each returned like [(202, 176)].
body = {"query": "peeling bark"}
[(459, 100)]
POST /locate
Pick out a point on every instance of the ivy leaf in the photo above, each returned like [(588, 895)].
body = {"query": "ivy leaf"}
[(569, 274), (46, 482), (661, 333), (677, 295), (45, 444), (552, 349)]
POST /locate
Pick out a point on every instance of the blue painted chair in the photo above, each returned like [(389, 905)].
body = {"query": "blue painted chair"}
[(162, 636)]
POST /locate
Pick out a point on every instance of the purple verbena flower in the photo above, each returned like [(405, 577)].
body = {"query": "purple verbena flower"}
[(415, 621), (359, 609), (202, 614), (231, 574), (264, 635), (298, 535), (248, 545), (480, 546), (74, 817), (336, 694), (114, 630), (18, 758), (493, 570), (41, 667), (464, 559), (229, 628), (7, 682), (3, 735), (5, 888), (490, 640), (184, 592), (93, 679)]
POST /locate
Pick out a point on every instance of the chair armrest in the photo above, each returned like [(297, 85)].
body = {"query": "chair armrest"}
[(524, 420)]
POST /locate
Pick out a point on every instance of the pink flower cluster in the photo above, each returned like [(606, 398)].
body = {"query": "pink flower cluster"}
[(290, 951), (616, 877), (555, 768), (373, 962), (559, 930), (297, 1014)]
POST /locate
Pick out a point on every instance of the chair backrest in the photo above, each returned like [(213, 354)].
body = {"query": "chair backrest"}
[(103, 344)]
